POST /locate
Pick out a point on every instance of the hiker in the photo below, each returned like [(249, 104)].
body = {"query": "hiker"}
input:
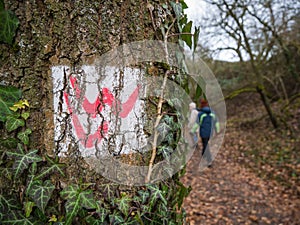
[(209, 124), (193, 125)]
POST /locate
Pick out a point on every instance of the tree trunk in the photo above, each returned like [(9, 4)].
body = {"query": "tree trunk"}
[(60, 38), (268, 108)]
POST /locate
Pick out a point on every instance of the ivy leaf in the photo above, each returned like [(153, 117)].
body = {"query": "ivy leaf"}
[(92, 221), (156, 193), (182, 194), (187, 38), (70, 192), (30, 182), (8, 26), (116, 218), (184, 5), (102, 213), (72, 208), (17, 218), (123, 204), (13, 123), (8, 204), (9, 143), (1, 5), (24, 136), (177, 7), (28, 208), (175, 102), (183, 21), (170, 139), (33, 168), (76, 199), (163, 210), (22, 160), (8, 96), (144, 195), (87, 200), (41, 193), (108, 191), (55, 166), (52, 219), (165, 6), (6, 173), (25, 115), (198, 92), (165, 151), (163, 129), (196, 37), (168, 119)]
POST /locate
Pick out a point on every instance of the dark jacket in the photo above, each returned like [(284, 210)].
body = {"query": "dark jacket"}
[(207, 121)]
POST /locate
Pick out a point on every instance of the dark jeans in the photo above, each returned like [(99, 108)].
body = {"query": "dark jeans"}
[(205, 149)]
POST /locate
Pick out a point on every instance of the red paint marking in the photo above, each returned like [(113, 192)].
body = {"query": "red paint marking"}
[(66, 97), (107, 96), (122, 110), (74, 85), (89, 140), (90, 108)]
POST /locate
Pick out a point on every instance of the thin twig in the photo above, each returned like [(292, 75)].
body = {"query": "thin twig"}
[(159, 108), (177, 34)]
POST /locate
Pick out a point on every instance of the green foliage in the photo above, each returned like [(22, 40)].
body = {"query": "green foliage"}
[(198, 92), (8, 97), (185, 35), (16, 218), (144, 195), (1, 5), (163, 129), (13, 123), (169, 132), (156, 194), (76, 200), (177, 7), (28, 208), (23, 159), (9, 142), (196, 37), (116, 218), (21, 164), (8, 25), (10, 211), (187, 38), (102, 214), (7, 204), (24, 136), (123, 204), (165, 151), (55, 166), (184, 26), (41, 192)]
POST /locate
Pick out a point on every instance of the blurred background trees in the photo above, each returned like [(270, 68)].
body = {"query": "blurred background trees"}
[(263, 37)]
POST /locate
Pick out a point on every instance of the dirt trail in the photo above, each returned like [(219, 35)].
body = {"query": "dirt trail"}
[(228, 193)]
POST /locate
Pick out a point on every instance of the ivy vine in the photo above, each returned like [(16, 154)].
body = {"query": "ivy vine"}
[(9, 24)]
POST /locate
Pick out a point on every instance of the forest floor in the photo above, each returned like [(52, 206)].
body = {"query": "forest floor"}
[(254, 178)]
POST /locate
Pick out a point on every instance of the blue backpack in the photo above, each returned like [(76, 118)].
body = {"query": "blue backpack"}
[(208, 123)]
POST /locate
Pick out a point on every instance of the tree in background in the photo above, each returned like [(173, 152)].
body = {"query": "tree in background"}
[(256, 31)]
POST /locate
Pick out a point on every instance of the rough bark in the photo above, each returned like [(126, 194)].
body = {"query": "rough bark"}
[(67, 33)]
